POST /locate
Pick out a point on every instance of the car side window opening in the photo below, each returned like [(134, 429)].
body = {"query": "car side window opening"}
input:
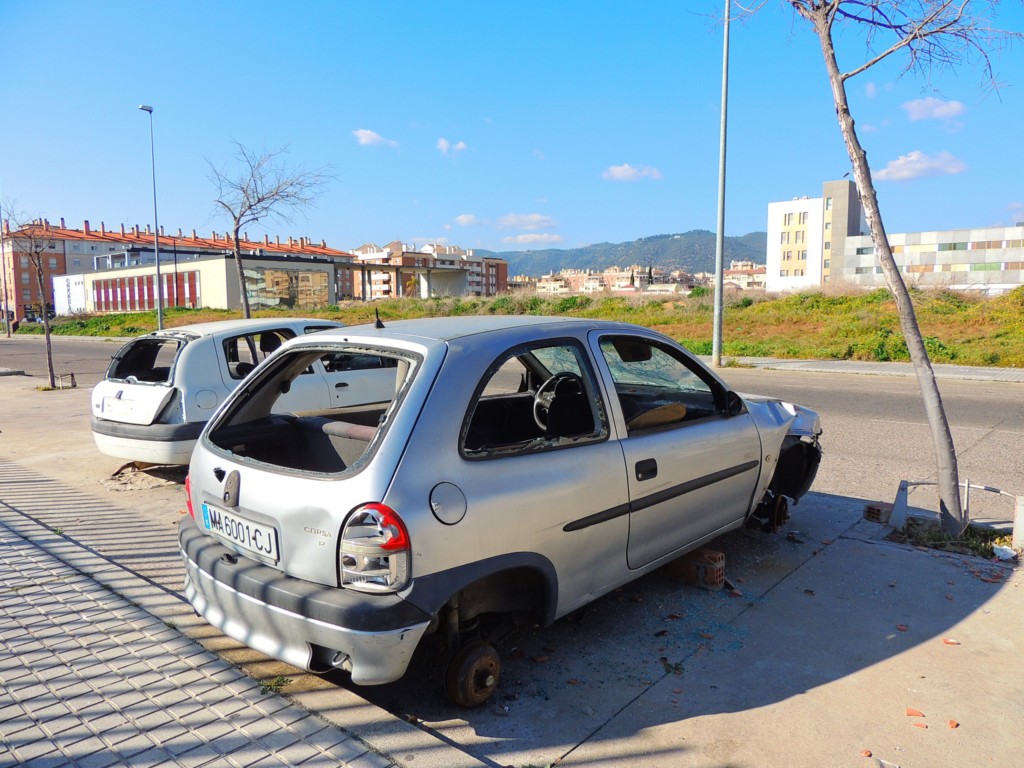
[(656, 386), (534, 398), (244, 352)]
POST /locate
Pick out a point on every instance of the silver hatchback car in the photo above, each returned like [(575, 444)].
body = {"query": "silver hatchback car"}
[(514, 467)]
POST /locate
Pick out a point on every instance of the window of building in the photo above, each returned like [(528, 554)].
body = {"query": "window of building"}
[(828, 225), (1015, 243), (864, 270), (77, 262), (53, 262), (24, 278), (952, 246), (864, 251), (802, 256), (800, 235), (798, 273), (827, 264), (828, 245), (784, 238), (993, 266), (783, 273), (828, 203), (787, 219), (802, 218), (787, 255), (23, 261)]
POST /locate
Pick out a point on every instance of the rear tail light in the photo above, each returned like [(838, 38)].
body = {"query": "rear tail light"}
[(188, 496), (375, 551)]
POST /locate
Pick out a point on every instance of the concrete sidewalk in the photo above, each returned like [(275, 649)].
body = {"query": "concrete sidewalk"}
[(91, 679)]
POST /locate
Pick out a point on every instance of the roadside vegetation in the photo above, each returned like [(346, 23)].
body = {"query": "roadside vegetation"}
[(958, 328)]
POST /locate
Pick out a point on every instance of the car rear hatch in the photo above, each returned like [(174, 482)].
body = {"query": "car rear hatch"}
[(137, 385), (278, 487)]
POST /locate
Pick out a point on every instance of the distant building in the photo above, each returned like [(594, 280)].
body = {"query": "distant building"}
[(101, 270), (745, 276), (816, 241), (434, 269), (806, 235)]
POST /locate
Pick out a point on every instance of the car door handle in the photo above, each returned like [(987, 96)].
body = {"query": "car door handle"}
[(646, 469), (341, 385)]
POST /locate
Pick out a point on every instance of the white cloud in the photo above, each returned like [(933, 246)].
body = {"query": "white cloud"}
[(541, 238), (466, 220), (369, 138), (871, 90), (627, 172), (917, 165), (444, 146), (933, 109), (527, 221)]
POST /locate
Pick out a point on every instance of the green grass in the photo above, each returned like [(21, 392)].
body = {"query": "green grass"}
[(958, 328)]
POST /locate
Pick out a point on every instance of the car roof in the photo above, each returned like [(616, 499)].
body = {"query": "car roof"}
[(251, 325), (448, 328)]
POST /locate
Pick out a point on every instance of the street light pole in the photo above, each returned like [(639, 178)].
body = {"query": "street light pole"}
[(156, 225), (716, 335)]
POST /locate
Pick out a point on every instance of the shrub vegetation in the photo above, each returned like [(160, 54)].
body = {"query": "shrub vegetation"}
[(958, 328)]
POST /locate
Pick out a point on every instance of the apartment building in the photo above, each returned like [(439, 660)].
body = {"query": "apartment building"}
[(815, 241), (806, 235), (433, 269), (101, 270)]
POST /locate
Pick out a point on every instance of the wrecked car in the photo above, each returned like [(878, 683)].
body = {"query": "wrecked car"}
[(514, 468), (161, 388)]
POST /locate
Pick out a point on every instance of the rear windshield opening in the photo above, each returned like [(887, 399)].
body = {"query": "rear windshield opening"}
[(148, 360), (319, 410)]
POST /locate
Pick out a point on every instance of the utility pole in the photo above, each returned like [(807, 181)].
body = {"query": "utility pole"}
[(716, 336)]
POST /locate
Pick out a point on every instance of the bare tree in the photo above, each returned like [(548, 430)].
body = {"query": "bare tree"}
[(34, 239), (263, 188), (932, 35)]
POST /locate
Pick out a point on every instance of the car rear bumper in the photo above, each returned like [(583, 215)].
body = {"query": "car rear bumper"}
[(149, 443), (308, 625)]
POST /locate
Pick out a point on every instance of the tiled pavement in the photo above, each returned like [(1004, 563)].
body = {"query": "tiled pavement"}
[(89, 679)]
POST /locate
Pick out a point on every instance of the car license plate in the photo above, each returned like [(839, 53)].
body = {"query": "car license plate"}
[(255, 537)]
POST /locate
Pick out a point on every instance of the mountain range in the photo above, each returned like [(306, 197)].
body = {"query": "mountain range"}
[(692, 251)]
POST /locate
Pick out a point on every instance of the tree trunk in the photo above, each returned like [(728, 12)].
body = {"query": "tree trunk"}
[(241, 275), (950, 507), (52, 379)]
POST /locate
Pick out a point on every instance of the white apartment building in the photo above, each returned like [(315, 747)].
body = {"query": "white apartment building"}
[(806, 235)]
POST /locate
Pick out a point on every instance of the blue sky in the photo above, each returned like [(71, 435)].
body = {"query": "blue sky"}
[(488, 125)]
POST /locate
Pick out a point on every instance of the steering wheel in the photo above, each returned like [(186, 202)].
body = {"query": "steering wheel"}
[(545, 396)]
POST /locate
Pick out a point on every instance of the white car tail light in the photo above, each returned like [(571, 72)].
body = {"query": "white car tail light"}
[(374, 553)]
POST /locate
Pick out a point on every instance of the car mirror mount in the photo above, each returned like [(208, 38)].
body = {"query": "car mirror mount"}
[(733, 404)]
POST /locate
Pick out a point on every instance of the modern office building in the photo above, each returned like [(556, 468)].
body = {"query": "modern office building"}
[(988, 260)]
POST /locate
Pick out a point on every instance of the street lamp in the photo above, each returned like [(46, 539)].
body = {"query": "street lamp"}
[(156, 225), (716, 329)]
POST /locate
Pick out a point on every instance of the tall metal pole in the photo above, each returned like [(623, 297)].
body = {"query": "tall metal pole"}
[(3, 266), (156, 225), (716, 340)]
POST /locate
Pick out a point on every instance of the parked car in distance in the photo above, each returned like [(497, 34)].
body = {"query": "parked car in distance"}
[(160, 389), (520, 468)]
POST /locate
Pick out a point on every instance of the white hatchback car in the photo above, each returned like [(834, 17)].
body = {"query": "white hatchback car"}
[(162, 388)]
